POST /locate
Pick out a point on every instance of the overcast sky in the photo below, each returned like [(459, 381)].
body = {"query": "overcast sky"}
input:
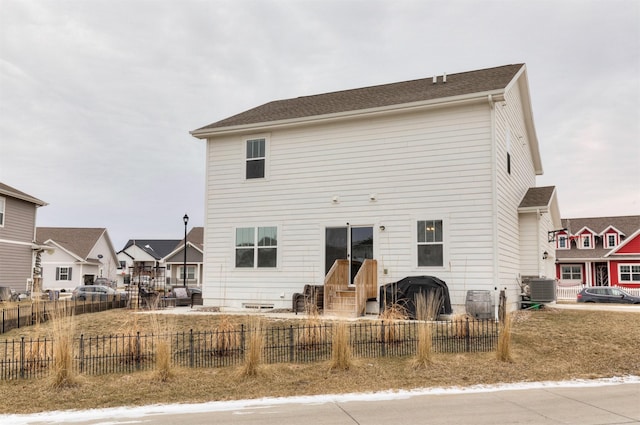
[(97, 98)]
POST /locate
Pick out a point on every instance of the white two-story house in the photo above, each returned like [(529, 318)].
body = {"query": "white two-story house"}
[(434, 176)]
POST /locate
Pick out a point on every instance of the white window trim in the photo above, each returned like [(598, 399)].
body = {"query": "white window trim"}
[(3, 208), (615, 241), (267, 145), (567, 242), (630, 265), (189, 267), (445, 242), (255, 247), (584, 236), (581, 279), (66, 273)]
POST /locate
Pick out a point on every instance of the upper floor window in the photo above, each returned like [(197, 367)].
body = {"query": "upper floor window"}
[(2, 204), (256, 247), (610, 240), (586, 241), (562, 242), (430, 243), (256, 158), (629, 273)]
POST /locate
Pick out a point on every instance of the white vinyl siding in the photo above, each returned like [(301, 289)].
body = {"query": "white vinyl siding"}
[(438, 164), (513, 256), (419, 165)]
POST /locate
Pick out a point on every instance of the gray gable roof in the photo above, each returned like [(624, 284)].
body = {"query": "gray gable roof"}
[(77, 240), (15, 193), (157, 248), (626, 224), (537, 197), (194, 237), (485, 80)]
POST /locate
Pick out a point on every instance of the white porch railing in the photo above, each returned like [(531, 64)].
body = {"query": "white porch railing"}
[(569, 293)]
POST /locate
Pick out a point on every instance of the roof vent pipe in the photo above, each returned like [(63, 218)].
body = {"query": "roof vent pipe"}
[(444, 77), (435, 79)]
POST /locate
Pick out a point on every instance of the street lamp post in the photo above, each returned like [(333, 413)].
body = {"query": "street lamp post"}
[(184, 266)]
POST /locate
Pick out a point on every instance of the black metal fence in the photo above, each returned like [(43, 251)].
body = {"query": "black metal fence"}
[(23, 315), (95, 355)]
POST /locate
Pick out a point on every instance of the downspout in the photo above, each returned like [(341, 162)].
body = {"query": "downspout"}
[(540, 268), (494, 205)]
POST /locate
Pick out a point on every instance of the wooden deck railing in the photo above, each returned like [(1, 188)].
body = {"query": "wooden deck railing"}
[(336, 280), (366, 282)]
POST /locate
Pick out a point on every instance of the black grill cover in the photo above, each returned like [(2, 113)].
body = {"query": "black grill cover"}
[(404, 291)]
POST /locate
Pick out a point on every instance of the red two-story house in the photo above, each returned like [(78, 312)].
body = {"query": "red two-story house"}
[(599, 251)]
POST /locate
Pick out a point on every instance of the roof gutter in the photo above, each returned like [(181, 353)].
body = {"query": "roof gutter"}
[(492, 96)]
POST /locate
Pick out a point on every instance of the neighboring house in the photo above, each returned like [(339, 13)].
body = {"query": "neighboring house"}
[(81, 256), (175, 261), (433, 177), (142, 261), (599, 251), (18, 251)]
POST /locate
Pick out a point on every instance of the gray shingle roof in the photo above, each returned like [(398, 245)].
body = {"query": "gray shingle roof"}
[(15, 193), (626, 224), (463, 83), (78, 240), (157, 248), (537, 197)]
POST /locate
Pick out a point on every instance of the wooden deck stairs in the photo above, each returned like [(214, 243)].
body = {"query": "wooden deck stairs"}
[(342, 299)]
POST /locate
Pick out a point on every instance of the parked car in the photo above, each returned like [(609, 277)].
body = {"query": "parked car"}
[(606, 294), (104, 281), (96, 293)]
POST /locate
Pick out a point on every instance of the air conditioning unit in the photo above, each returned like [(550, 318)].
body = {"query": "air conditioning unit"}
[(542, 290)]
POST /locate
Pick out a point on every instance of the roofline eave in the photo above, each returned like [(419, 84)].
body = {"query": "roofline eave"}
[(486, 96)]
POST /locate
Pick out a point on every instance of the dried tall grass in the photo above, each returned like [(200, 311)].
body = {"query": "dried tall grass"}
[(227, 340), (130, 349), (341, 355), (253, 355), (503, 351), (392, 331), (63, 327), (461, 326), (426, 309), (313, 333), (163, 328)]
